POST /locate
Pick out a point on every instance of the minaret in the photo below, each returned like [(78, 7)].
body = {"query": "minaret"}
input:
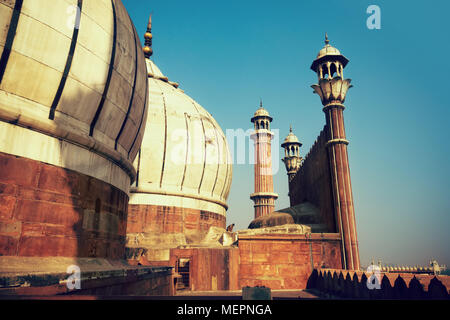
[(332, 89), (292, 159), (264, 197)]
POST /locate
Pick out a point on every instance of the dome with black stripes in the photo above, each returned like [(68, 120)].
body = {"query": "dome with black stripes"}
[(74, 70)]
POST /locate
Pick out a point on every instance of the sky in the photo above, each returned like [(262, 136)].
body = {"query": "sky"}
[(227, 55)]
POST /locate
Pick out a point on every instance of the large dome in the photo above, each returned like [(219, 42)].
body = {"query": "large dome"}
[(184, 159), (79, 79)]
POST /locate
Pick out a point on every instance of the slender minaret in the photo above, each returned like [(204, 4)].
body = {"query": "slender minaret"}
[(332, 89), (292, 159), (264, 197)]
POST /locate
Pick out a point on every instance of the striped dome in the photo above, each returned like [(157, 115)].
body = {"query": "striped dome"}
[(75, 70), (184, 160)]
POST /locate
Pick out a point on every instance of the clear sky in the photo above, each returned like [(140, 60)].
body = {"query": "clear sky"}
[(228, 54)]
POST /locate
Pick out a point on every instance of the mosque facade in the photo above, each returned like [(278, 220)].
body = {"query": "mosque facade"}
[(108, 166), (103, 157)]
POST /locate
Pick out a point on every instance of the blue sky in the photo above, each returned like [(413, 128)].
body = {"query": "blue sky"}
[(228, 54)]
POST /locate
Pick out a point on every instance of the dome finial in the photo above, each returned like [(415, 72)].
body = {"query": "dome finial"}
[(290, 128), (326, 39), (260, 103), (148, 51)]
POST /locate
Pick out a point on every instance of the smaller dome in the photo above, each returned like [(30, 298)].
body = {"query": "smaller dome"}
[(327, 53), (328, 50), (261, 112), (154, 72), (291, 139)]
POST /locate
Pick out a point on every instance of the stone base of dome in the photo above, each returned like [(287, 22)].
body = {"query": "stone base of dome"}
[(49, 211), (165, 219)]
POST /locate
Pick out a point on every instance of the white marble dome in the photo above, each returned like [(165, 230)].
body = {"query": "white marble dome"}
[(184, 160), (79, 78)]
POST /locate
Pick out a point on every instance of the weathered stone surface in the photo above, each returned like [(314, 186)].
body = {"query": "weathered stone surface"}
[(166, 219), (80, 81), (256, 293), (48, 276), (284, 260), (279, 229), (272, 220), (77, 216)]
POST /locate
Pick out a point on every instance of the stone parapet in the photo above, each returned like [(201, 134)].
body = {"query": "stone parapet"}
[(49, 277), (336, 283)]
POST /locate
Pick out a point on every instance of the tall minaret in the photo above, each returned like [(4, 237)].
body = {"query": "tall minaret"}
[(264, 197), (292, 159), (332, 89)]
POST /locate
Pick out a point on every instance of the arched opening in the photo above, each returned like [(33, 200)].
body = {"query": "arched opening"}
[(333, 70)]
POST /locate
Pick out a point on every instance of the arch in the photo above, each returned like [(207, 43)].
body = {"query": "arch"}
[(386, 288), (325, 73), (333, 70), (400, 288), (436, 290), (416, 290)]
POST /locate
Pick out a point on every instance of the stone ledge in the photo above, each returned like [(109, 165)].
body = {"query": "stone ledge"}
[(25, 272)]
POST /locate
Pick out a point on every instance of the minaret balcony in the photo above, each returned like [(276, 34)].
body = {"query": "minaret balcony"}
[(332, 90)]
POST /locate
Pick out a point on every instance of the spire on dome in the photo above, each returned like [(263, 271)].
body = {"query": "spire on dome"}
[(148, 51), (326, 39)]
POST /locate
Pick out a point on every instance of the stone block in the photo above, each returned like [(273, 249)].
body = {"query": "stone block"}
[(256, 293), (8, 245), (7, 205), (47, 212), (12, 171)]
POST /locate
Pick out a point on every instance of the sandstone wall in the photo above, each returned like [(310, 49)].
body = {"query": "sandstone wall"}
[(47, 211), (285, 261), (168, 219), (312, 183)]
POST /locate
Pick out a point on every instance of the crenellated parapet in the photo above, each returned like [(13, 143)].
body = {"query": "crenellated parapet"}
[(335, 283)]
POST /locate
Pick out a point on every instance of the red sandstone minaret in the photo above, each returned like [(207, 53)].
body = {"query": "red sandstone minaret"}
[(264, 197), (332, 89)]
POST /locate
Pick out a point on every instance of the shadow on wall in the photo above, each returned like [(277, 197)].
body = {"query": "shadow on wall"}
[(329, 283), (47, 210)]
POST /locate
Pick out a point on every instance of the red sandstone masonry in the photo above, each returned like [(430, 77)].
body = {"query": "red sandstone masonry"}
[(161, 219), (312, 183), (284, 261), (340, 173), (210, 269), (42, 208)]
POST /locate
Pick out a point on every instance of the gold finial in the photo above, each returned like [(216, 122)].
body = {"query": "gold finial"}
[(149, 26), (148, 51), (260, 103), (326, 39), (290, 129)]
